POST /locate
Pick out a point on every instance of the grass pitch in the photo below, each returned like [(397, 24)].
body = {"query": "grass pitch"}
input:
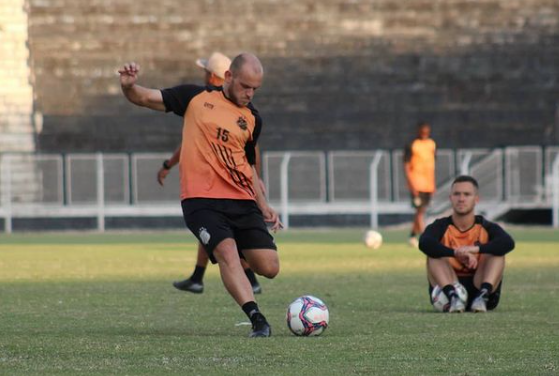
[(103, 304)]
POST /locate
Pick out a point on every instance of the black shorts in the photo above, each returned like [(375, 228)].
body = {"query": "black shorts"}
[(213, 220), (468, 283), (422, 200)]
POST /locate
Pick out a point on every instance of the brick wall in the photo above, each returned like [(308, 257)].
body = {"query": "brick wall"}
[(339, 74)]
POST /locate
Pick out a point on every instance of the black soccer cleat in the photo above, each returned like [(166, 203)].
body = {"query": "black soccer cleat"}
[(190, 286), (260, 327), (480, 302), (256, 288)]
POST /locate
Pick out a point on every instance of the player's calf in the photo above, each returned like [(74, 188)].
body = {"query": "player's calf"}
[(263, 262)]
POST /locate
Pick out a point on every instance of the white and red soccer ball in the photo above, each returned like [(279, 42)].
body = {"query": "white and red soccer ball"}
[(307, 316), (440, 301)]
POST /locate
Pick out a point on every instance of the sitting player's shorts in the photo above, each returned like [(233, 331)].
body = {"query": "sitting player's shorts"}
[(422, 200), (213, 220), (468, 283)]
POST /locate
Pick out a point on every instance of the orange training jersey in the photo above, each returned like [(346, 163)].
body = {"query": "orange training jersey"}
[(218, 143), (453, 238), (442, 237), (420, 155)]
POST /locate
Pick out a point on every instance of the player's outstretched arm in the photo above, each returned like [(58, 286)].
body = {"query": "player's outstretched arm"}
[(139, 95)]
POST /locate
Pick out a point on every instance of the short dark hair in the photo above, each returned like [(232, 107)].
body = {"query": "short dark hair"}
[(422, 123), (237, 64), (466, 179)]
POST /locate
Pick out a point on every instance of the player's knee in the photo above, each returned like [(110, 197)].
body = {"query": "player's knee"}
[(431, 261), (269, 270), (226, 257)]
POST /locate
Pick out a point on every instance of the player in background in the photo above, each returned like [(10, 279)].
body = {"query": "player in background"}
[(466, 248), (222, 203), (214, 69), (419, 167)]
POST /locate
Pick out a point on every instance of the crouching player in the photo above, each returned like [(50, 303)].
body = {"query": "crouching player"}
[(468, 249)]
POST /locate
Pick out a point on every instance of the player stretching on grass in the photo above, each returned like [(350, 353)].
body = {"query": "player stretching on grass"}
[(214, 68), (222, 204), (466, 248)]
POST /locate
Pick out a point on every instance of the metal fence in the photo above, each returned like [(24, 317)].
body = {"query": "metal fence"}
[(335, 182), (374, 182)]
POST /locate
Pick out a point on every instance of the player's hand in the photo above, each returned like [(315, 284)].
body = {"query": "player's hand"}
[(129, 74), (469, 261), (467, 249), (161, 175), (461, 256), (466, 256), (270, 216)]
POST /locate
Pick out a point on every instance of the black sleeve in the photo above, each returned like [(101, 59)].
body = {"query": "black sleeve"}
[(177, 98), (250, 147), (430, 240), (500, 242), (407, 153)]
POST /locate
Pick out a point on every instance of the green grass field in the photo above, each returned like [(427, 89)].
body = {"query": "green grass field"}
[(88, 304)]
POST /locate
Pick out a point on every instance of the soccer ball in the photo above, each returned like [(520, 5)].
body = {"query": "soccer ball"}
[(440, 301), (373, 239), (307, 316)]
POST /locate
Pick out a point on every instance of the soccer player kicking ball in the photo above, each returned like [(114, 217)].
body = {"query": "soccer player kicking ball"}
[(468, 249), (222, 202), (214, 75)]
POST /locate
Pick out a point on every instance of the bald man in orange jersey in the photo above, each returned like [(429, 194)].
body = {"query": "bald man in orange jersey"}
[(222, 204), (214, 75)]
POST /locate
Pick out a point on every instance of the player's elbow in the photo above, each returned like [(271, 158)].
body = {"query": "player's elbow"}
[(510, 245), (423, 244), (147, 98), (144, 100)]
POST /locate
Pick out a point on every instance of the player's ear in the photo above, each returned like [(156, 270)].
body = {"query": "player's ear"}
[(228, 76)]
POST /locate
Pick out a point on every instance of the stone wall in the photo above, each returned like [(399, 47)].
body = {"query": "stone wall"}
[(17, 130), (16, 93), (339, 74)]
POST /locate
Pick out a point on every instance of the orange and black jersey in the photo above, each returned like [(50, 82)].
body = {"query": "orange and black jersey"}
[(441, 238), (420, 156), (218, 142)]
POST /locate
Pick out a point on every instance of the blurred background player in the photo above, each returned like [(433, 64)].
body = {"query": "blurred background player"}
[(466, 248), (214, 69), (419, 167)]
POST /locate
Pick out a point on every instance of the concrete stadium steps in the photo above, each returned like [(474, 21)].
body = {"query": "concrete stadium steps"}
[(339, 74), (25, 178)]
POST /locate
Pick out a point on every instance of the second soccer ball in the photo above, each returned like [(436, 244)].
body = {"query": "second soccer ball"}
[(373, 239), (440, 301)]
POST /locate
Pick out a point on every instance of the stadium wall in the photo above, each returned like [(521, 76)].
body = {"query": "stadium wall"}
[(16, 93), (339, 74)]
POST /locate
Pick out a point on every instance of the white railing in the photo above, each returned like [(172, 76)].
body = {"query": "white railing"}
[(369, 183), (373, 188), (555, 204)]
